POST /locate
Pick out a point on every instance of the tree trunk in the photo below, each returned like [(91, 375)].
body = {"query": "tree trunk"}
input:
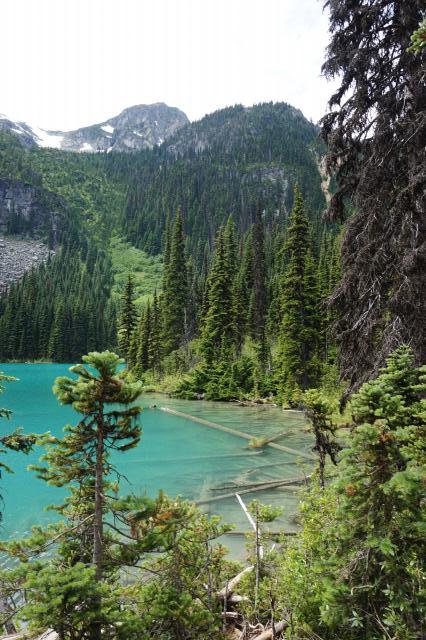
[(98, 518), (96, 626), (267, 635)]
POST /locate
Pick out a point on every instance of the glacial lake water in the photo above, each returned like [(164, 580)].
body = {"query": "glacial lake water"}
[(175, 454)]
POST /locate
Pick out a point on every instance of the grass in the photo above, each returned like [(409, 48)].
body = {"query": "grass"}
[(147, 270)]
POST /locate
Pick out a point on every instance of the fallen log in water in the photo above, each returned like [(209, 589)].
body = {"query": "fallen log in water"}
[(296, 481), (224, 496), (270, 534), (235, 432)]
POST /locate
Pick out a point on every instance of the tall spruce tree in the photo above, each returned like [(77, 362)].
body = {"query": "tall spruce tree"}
[(218, 335), (175, 290), (128, 317), (144, 339), (155, 346), (298, 337), (258, 302)]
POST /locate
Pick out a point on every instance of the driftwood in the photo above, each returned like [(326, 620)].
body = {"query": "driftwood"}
[(231, 615), (231, 584), (268, 634), (234, 598), (47, 635)]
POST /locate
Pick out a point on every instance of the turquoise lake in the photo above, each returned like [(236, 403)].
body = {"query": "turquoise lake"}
[(175, 454)]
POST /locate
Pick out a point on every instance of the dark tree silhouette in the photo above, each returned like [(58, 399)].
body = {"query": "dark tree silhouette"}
[(376, 136)]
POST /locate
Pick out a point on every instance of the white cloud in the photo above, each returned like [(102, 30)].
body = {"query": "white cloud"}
[(70, 63)]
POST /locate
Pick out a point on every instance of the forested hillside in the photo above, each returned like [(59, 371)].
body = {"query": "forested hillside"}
[(224, 165), (235, 163)]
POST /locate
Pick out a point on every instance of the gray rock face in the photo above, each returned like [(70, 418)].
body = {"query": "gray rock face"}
[(19, 256), (28, 210), (138, 127)]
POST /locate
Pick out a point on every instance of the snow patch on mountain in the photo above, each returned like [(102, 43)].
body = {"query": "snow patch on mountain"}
[(86, 147), (46, 138)]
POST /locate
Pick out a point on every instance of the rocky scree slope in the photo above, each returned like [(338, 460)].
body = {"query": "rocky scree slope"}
[(135, 128), (17, 257)]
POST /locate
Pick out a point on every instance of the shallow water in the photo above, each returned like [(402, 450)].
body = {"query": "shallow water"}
[(175, 454)]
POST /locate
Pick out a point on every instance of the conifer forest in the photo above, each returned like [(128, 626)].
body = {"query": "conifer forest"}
[(253, 258)]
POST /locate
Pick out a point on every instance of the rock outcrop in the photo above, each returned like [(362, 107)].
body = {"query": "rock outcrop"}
[(29, 211)]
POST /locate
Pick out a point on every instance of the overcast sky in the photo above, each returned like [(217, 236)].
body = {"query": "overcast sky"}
[(70, 63)]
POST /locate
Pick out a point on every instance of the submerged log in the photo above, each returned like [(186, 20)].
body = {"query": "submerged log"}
[(271, 485), (265, 483), (235, 432), (268, 534)]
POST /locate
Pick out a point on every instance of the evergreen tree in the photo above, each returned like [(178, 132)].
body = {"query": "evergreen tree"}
[(128, 317), (218, 330), (298, 337), (356, 570), (56, 348), (381, 509), (144, 339), (376, 112), (258, 302), (240, 311), (81, 461), (155, 347), (175, 290)]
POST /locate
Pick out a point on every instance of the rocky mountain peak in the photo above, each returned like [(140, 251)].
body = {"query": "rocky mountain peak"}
[(137, 127)]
